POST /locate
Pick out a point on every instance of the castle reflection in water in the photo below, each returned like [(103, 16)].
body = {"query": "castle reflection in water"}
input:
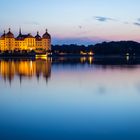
[(41, 68), (25, 68)]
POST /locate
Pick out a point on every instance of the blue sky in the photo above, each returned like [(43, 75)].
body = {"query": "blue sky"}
[(73, 21)]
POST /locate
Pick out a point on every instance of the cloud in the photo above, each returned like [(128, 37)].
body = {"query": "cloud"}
[(136, 23), (106, 19), (103, 19)]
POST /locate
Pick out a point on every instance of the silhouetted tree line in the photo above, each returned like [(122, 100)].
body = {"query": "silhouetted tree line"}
[(70, 49), (105, 48)]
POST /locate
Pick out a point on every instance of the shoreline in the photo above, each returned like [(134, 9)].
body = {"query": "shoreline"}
[(20, 55)]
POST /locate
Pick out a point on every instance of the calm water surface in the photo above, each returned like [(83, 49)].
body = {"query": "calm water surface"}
[(76, 99)]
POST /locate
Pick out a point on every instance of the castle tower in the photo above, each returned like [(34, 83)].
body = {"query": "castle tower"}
[(46, 40), (10, 41)]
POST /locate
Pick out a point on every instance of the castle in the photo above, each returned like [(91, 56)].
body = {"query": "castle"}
[(25, 42)]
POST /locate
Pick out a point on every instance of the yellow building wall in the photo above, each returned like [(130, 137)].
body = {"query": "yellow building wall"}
[(30, 43), (12, 44), (46, 44), (2, 45), (38, 45), (20, 45)]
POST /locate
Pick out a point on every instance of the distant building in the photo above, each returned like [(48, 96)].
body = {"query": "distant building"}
[(25, 42)]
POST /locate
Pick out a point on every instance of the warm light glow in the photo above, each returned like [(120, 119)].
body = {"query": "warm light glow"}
[(90, 59), (83, 53), (83, 59), (91, 53), (41, 56), (9, 69)]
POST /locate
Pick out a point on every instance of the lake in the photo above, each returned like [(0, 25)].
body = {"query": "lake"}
[(69, 99)]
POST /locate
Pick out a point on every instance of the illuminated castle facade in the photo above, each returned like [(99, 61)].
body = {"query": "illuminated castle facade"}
[(25, 42)]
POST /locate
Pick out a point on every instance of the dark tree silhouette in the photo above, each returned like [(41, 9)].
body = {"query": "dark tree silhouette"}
[(105, 48)]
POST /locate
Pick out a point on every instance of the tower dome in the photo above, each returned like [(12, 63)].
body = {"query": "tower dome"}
[(4, 35), (38, 37), (46, 35), (10, 34)]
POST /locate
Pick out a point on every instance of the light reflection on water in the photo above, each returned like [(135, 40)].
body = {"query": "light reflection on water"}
[(62, 98)]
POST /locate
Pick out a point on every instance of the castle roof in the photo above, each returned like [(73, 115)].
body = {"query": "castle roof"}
[(46, 35), (38, 37), (9, 34), (29, 36), (4, 35), (22, 37)]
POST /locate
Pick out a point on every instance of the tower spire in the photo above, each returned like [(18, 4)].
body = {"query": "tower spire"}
[(19, 31)]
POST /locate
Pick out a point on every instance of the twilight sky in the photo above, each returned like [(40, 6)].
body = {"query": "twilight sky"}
[(73, 21)]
